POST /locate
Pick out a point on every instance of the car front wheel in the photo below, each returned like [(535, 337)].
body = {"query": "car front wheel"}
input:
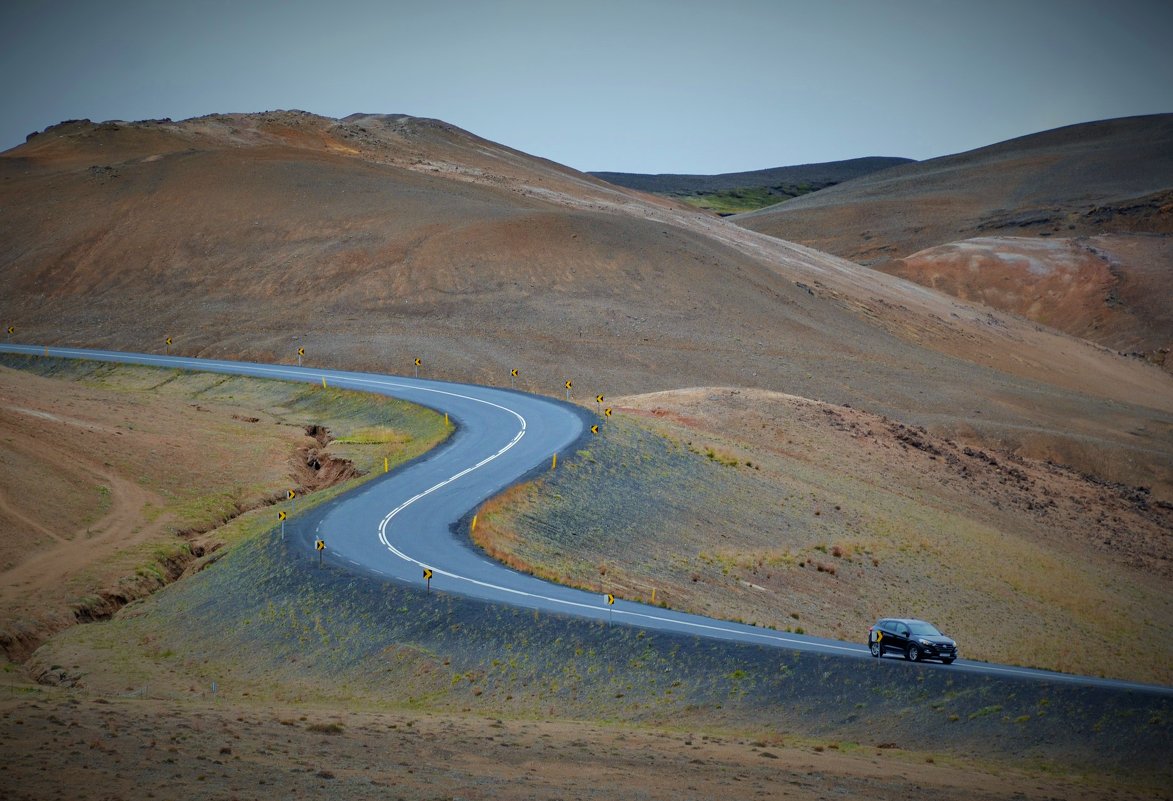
[(912, 654), (876, 649)]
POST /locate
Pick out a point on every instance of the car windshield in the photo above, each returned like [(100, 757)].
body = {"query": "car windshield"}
[(924, 629)]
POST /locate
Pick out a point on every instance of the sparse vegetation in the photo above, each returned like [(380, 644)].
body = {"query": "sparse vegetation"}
[(177, 499), (654, 504)]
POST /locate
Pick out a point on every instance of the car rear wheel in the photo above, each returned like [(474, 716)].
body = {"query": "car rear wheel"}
[(912, 654), (876, 649)]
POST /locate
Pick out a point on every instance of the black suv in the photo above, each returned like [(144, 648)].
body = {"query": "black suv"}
[(915, 639)]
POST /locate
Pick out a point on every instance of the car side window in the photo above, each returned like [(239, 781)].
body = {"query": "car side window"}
[(902, 630)]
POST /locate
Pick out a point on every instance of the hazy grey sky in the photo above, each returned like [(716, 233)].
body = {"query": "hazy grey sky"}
[(702, 86)]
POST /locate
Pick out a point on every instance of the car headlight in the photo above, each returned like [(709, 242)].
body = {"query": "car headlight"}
[(923, 641)]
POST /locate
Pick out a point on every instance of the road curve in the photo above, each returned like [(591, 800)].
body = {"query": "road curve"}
[(397, 525)]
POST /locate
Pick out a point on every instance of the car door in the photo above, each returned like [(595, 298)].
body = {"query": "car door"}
[(886, 634), (900, 637)]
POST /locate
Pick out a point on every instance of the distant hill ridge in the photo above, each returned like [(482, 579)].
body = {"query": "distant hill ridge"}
[(830, 172), (736, 192)]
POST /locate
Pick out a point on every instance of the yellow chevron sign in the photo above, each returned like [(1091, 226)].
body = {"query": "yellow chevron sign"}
[(280, 515), (320, 545), (594, 429), (610, 599)]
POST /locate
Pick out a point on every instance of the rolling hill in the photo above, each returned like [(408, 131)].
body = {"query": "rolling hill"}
[(375, 239), (1080, 180), (989, 224)]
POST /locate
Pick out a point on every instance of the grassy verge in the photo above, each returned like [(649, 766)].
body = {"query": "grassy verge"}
[(269, 627), (805, 536)]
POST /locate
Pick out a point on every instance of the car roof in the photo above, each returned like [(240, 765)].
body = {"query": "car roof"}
[(904, 620)]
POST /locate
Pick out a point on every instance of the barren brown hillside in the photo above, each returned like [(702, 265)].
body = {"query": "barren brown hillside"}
[(376, 239), (968, 225), (1080, 180)]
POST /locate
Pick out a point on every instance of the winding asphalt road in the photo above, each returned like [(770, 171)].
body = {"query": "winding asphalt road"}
[(397, 525)]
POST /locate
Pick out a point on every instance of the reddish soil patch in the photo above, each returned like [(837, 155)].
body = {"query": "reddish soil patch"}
[(1113, 290)]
